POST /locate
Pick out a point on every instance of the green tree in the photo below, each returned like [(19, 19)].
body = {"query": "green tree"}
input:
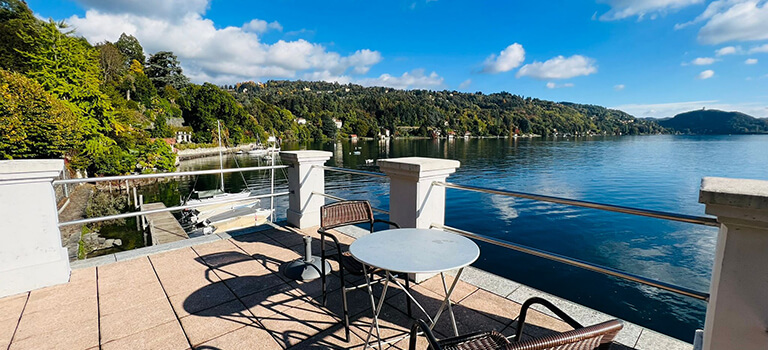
[(15, 18), (328, 126), (130, 47), (202, 105), (163, 68), (112, 62), (33, 124)]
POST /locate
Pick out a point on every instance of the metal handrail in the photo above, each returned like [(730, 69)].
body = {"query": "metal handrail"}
[(161, 175), (350, 171), (579, 263), (181, 207), (691, 219), (343, 199)]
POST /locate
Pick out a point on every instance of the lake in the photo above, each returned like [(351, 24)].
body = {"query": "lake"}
[(661, 172)]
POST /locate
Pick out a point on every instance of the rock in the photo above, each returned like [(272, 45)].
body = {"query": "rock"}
[(118, 242), (73, 239), (110, 242), (102, 240)]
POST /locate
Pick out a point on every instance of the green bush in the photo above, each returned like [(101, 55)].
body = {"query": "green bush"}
[(105, 204)]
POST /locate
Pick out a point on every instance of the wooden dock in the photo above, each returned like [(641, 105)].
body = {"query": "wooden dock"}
[(163, 228)]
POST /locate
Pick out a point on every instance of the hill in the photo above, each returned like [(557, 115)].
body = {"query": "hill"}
[(715, 122), (366, 110)]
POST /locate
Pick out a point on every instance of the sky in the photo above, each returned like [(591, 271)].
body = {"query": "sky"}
[(650, 58)]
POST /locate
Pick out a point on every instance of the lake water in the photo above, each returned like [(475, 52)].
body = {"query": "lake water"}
[(651, 172)]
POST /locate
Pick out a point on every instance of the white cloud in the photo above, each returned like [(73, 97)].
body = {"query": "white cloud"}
[(706, 74), (665, 110), (508, 59), (261, 26), (750, 61), (551, 85), (415, 79), (559, 68), (703, 61), (734, 20), (167, 9), (728, 50), (761, 48), (621, 9), (465, 84), (221, 55), (619, 87)]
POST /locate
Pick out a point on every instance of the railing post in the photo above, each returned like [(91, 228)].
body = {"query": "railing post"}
[(31, 254), (413, 201), (737, 314), (303, 179)]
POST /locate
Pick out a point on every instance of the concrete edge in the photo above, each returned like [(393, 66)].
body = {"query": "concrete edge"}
[(151, 250)]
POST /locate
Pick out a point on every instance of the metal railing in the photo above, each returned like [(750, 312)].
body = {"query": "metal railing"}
[(691, 219), (578, 263), (343, 199), (161, 175), (350, 171)]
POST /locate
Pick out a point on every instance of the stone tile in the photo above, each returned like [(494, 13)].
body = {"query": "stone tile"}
[(132, 272), (247, 284), (72, 326), (488, 281), (135, 319), (270, 301), (80, 289), (358, 301), (10, 313), (182, 271), (584, 315), (122, 297), (165, 336), (393, 324), (269, 255), (211, 323), (332, 338), (201, 299), (297, 323), (650, 340), (248, 337), (290, 238), (461, 291), (220, 253), (491, 305)]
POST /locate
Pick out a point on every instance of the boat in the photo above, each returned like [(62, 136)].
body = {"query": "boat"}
[(258, 152), (244, 216)]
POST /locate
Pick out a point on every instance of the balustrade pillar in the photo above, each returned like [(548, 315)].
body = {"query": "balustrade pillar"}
[(303, 180), (31, 253), (737, 314)]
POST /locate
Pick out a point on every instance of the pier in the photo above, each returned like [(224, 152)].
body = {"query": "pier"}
[(163, 227)]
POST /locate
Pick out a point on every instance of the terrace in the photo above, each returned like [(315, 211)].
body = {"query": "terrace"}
[(226, 291)]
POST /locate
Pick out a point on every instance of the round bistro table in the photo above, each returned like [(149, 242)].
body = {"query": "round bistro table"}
[(413, 251)]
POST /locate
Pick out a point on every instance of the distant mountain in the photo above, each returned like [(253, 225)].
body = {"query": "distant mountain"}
[(715, 122)]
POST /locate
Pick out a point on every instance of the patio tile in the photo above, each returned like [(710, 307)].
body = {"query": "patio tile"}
[(270, 255), (201, 299), (488, 281), (248, 337), (491, 305), (135, 319), (81, 289), (300, 321), (651, 340), (462, 290), (332, 338), (181, 272), (270, 301), (249, 284), (123, 297), (131, 272), (74, 326), (211, 323), (10, 312), (165, 336), (393, 324)]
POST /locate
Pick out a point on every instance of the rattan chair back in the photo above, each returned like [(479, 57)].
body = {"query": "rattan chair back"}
[(345, 213), (598, 336)]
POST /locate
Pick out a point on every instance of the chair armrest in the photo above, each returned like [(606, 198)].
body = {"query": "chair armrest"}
[(335, 240), (433, 344), (536, 300), (386, 222)]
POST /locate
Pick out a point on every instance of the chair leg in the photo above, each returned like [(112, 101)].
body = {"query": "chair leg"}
[(407, 299), (344, 304), (322, 274)]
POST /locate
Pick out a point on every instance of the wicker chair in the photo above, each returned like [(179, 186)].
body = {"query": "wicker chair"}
[(598, 336), (345, 213)]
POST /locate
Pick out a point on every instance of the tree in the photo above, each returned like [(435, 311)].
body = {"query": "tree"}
[(329, 126), (15, 18), (202, 105), (33, 124), (112, 62), (163, 68), (130, 47)]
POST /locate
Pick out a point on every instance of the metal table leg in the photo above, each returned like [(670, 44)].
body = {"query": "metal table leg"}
[(376, 309), (447, 301)]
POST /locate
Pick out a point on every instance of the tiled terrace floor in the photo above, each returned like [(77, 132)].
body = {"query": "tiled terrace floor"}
[(229, 294)]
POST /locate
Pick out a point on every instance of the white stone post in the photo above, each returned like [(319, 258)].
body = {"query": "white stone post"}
[(31, 254), (737, 314), (413, 201), (303, 179)]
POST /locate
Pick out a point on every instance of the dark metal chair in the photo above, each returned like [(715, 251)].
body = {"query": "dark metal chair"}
[(345, 213), (598, 336)]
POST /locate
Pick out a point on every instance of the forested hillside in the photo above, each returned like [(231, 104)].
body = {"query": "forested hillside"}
[(366, 110), (717, 122)]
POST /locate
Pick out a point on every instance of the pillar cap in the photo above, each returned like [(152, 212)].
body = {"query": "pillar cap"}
[(739, 193), (305, 156), (418, 166), (24, 170)]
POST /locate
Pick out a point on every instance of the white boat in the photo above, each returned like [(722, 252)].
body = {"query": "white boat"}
[(258, 152), (232, 219)]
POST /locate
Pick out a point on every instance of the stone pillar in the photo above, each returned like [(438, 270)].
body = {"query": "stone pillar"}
[(31, 253), (413, 201), (303, 179), (737, 314)]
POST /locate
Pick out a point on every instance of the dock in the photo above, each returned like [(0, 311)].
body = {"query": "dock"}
[(164, 228)]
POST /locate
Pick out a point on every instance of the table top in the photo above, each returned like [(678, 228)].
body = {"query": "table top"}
[(412, 250)]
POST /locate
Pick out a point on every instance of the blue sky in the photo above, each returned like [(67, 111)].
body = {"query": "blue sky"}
[(647, 57)]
